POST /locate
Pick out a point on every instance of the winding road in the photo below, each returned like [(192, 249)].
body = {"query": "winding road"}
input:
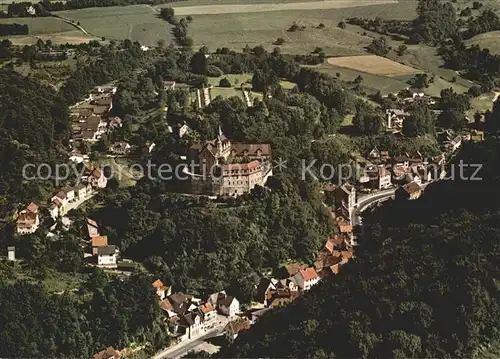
[(366, 201)]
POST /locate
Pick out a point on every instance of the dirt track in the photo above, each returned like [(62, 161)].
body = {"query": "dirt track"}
[(242, 8)]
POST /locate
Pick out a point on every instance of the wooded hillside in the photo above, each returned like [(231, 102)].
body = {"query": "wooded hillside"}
[(426, 286)]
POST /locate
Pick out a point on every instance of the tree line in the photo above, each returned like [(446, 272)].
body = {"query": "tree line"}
[(13, 29), (45, 7)]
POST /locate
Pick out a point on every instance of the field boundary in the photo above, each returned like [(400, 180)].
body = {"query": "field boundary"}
[(373, 64), (250, 8)]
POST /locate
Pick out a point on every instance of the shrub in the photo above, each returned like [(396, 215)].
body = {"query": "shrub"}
[(224, 82)]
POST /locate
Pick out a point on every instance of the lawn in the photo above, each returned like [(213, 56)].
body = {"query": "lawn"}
[(236, 81)]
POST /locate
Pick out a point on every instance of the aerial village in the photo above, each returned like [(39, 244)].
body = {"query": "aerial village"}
[(243, 166)]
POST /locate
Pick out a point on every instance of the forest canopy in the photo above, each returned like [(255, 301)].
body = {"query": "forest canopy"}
[(424, 282)]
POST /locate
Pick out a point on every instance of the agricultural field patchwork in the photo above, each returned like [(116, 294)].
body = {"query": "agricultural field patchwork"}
[(373, 64), (138, 23), (265, 7), (236, 29), (70, 37), (40, 25), (371, 83)]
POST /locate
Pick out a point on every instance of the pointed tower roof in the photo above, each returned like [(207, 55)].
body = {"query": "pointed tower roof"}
[(221, 137)]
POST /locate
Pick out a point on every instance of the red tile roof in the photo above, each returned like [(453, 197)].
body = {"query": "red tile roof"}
[(157, 284), (308, 273), (411, 187), (206, 308), (107, 354), (99, 241), (293, 268), (345, 228), (166, 305), (243, 148), (32, 207)]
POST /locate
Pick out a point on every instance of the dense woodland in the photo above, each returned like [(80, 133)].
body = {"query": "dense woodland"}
[(13, 29), (33, 121), (436, 22), (424, 282), (106, 312), (112, 65)]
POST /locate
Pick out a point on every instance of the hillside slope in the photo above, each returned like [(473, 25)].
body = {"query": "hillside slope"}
[(424, 287)]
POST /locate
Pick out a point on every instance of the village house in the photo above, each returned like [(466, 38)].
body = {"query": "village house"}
[(77, 157), (255, 315), (291, 269), (336, 242), (81, 191), (379, 177), (168, 309), (107, 256), (449, 140), (383, 179), (288, 284), (264, 291), (120, 148), (476, 136), (228, 306), (70, 194), (97, 242), (28, 220), (108, 353), (208, 313), (180, 130), (97, 179), (229, 169), (402, 160), (421, 174), (344, 227), (162, 290), (187, 316), (345, 199), (374, 154), (306, 278), (399, 173), (395, 118), (191, 324), (409, 191), (53, 210), (235, 327), (181, 303), (93, 229), (61, 200), (168, 85)]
